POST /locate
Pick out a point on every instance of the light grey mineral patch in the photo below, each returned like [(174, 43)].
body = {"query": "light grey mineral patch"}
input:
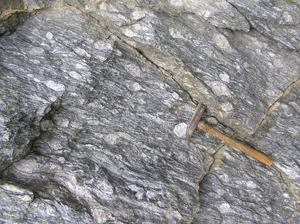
[(180, 130)]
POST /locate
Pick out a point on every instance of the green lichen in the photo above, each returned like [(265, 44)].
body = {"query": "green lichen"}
[(292, 2)]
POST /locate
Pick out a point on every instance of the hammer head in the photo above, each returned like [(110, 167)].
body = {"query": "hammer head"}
[(194, 122)]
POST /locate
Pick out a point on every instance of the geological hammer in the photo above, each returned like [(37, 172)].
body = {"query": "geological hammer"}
[(195, 122)]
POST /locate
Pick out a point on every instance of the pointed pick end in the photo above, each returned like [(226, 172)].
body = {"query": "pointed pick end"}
[(194, 122)]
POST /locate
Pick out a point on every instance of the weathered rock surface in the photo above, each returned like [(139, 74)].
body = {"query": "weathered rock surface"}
[(233, 193), (279, 20), (14, 13), (19, 205), (113, 139), (212, 64), (96, 95)]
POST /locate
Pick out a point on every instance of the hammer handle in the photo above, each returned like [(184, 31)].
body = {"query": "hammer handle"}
[(236, 144)]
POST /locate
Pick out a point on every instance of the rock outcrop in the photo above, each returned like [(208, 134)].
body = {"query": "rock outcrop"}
[(96, 97)]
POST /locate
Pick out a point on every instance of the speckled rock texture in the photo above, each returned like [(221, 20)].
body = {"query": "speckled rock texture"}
[(95, 97)]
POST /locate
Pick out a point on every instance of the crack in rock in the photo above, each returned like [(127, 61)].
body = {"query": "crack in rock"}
[(288, 183), (270, 108)]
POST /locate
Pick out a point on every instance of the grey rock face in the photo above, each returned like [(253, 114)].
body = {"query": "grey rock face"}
[(192, 51), (234, 183), (281, 131), (23, 104), (219, 13), (96, 97), (278, 20), (115, 143), (14, 13), (231, 193), (19, 205)]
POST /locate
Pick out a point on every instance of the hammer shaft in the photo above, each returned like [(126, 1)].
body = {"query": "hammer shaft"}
[(236, 144)]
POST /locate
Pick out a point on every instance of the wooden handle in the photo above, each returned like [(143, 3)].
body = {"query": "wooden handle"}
[(236, 144)]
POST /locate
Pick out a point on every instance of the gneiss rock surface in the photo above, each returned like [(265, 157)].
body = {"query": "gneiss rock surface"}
[(242, 191), (279, 20), (113, 142), (14, 13), (96, 95), (218, 67), (19, 205)]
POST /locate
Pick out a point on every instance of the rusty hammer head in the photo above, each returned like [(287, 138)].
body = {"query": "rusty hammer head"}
[(194, 122)]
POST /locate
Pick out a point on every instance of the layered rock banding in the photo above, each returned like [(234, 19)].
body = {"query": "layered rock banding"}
[(96, 96)]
